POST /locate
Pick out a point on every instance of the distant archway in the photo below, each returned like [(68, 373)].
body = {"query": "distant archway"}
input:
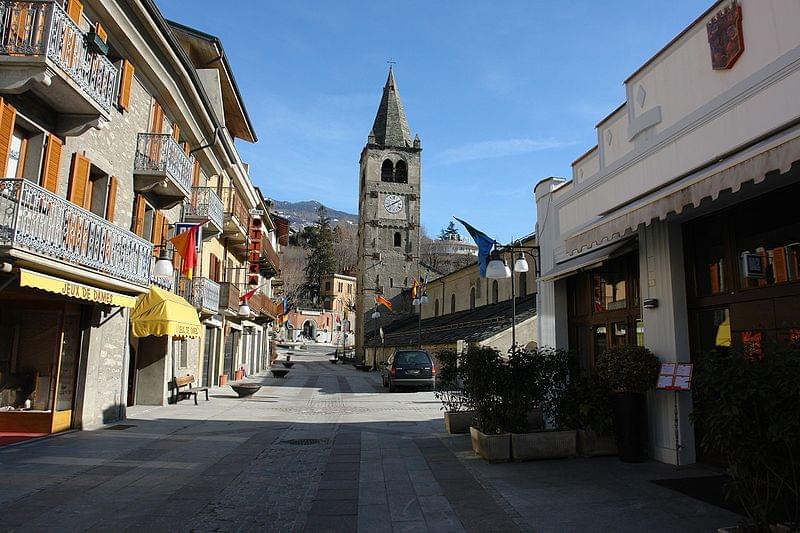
[(310, 329)]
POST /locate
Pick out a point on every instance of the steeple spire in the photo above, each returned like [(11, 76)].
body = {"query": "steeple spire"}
[(391, 125)]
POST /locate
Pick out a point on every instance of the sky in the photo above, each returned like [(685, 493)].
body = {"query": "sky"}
[(502, 94)]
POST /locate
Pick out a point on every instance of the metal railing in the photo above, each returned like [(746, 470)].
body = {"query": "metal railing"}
[(202, 293), (159, 152), (44, 28), (36, 220), (206, 204), (235, 208)]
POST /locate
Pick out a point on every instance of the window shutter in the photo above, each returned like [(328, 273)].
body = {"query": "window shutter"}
[(125, 85), (157, 119), (79, 180), (176, 132), (101, 32), (111, 203), (186, 149), (137, 224), (52, 163), (158, 227), (196, 174), (75, 10), (8, 116)]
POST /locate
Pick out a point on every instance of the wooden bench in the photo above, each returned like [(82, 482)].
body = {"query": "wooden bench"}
[(186, 381)]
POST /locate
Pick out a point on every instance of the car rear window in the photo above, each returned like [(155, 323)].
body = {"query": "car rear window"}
[(412, 358)]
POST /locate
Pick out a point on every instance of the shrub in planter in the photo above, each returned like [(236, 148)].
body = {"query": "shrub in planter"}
[(746, 410), (629, 372), (585, 406), (458, 415), (484, 375)]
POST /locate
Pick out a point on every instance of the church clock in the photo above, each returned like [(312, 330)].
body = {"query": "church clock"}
[(393, 203)]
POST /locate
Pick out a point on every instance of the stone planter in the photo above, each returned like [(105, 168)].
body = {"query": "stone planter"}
[(279, 372), (493, 448), (545, 444), (245, 389), (238, 375), (458, 422), (288, 364), (591, 444)]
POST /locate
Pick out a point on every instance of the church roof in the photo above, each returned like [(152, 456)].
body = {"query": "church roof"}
[(391, 125)]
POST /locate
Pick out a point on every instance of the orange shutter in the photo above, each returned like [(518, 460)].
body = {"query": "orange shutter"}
[(137, 224), (186, 149), (52, 163), (196, 174), (111, 203), (125, 85), (75, 10), (158, 227), (157, 119), (101, 32), (176, 132), (8, 115), (79, 193)]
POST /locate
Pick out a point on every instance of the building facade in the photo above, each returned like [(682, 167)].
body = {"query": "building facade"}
[(676, 231)]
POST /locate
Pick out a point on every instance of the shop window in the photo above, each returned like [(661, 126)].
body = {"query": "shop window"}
[(619, 331), (639, 332), (180, 352), (609, 287), (600, 339), (713, 329), (472, 298), (709, 264), (775, 241)]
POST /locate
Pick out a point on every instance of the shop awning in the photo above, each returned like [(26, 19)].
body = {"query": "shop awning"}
[(589, 259), (71, 289), (751, 164), (161, 312)]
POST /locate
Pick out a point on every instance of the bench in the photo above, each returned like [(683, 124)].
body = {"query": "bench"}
[(186, 381)]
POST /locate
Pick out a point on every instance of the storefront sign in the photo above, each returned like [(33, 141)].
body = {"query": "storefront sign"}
[(71, 289), (725, 37)]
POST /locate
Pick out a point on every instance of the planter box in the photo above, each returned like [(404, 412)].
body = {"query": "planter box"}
[(458, 422), (546, 444), (493, 448), (590, 444)]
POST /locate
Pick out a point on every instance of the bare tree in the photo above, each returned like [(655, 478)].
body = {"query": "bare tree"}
[(345, 247), (293, 264)]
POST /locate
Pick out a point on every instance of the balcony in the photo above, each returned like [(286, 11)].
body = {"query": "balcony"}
[(202, 293), (161, 167), (237, 219), (228, 299), (263, 308), (270, 264), (40, 228), (206, 205), (43, 51)]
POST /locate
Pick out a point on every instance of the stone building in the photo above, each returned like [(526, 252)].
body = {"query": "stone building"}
[(388, 209), (115, 129), (338, 294)]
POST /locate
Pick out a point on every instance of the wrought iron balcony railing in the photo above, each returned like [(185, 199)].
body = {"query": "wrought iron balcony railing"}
[(206, 204), (43, 28), (159, 153), (202, 293), (235, 209), (35, 220)]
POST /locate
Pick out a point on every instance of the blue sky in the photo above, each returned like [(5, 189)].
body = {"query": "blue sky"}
[(502, 94)]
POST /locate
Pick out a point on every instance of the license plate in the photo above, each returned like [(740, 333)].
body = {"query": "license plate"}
[(413, 372)]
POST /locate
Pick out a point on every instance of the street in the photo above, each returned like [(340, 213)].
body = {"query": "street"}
[(325, 449)]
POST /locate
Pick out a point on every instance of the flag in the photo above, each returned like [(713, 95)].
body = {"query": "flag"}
[(186, 245), (285, 305), (384, 302), (249, 294), (485, 245), (415, 289)]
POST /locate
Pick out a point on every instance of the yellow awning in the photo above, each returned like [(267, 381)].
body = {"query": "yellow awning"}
[(71, 289), (161, 312)]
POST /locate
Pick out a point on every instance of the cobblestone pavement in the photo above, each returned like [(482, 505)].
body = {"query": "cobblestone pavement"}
[(326, 449)]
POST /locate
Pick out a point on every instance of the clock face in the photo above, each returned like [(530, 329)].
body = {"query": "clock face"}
[(393, 203)]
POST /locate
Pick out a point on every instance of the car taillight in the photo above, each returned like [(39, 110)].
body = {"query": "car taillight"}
[(433, 370), (392, 371)]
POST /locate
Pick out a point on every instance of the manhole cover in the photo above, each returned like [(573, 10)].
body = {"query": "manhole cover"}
[(120, 427), (304, 442)]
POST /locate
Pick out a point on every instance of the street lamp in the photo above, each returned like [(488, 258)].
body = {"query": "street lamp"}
[(498, 269), (163, 266), (244, 309)]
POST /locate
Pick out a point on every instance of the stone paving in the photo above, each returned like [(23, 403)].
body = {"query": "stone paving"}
[(326, 449)]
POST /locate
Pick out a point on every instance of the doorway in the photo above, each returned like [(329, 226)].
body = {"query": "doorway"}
[(209, 356)]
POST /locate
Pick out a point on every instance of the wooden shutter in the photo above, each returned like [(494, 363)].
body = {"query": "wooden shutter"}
[(137, 224), (186, 149), (79, 190), (8, 116), (125, 85), (75, 10), (158, 227), (176, 132), (52, 163), (101, 32), (111, 202), (157, 119), (196, 174)]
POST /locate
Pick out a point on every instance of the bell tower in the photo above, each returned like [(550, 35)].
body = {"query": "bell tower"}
[(388, 213)]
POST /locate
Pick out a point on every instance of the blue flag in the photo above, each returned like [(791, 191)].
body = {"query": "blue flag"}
[(485, 245)]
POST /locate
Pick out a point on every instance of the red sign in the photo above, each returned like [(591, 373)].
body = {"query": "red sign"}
[(725, 37)]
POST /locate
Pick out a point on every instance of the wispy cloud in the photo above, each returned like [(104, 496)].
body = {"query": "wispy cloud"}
[(499, 148)]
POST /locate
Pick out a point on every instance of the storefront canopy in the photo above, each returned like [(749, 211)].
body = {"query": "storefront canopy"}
[(590, 259), (72, 289), (161, 312), (752, 164)]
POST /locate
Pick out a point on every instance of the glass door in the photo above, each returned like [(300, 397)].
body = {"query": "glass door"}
[(68, 367)]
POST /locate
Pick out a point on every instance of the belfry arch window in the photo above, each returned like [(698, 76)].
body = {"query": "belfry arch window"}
[(401, 172), (398, 240), (387, 171)]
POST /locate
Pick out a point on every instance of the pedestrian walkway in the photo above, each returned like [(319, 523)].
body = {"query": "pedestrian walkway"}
[(326, 449)]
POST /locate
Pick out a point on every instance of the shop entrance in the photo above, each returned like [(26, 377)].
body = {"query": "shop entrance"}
[(231, 349), (210, 356)]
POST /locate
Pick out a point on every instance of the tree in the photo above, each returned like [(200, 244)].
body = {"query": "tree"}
[(293, 264), (321, 259), (345, 247), (449, 232)]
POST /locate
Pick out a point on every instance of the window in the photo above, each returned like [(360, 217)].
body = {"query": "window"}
[(523, 284), (398, 240), (327, 285), (609, 287), (387, 171), (401, 172), (180, 352), (340, 286), (453, 303), (436, 307), (495, 292), (16, 154), (391, 283), (472, 298)]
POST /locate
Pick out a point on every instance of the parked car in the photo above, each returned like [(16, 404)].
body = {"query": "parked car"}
[(409, 368)]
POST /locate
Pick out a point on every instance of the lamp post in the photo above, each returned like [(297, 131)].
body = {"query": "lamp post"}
[(419, 302), (499, 269), (375, 316)]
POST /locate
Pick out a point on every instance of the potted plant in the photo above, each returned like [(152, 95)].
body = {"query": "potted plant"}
[(747, 416), (629, 372), (483, 374), (585, 406), (223, 380), (458, 415)]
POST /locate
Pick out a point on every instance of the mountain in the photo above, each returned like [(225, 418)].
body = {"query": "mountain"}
[(301, 214)]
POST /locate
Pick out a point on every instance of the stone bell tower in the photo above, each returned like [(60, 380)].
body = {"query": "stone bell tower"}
[(388, 213)]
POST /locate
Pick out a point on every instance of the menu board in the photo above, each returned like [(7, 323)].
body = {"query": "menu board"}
[(675, 376)]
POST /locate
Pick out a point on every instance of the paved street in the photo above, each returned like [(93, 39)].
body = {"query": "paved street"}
[(326, 449)]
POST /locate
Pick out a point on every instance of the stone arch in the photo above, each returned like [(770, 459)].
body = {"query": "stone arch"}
[(401, 172), (310, 329), (387, 171)]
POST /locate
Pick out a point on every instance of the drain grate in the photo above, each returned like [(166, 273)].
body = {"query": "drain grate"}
[(120, 427), (304, 442)]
